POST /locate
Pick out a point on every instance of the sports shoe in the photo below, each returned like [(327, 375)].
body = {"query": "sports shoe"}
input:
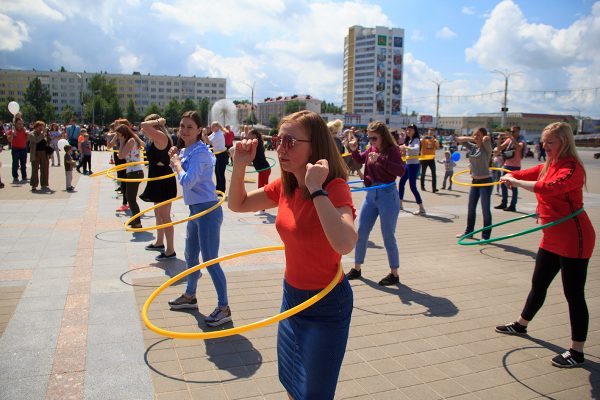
[(219, 316), (389, 280), (353, 274), (420, 212), (151, 246), (514, 328), (511, 208), (183, 302), (162, 256), (123, 207), (16, 181), (500, 207), (568, 359), (260, 213)]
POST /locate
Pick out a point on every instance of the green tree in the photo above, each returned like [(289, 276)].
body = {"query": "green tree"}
[(132, 115), (29, 113), (105, 88), (188, 105), (67, 114), (5, 115), (273, 121), (173, 113), (330, 108), (237, 102), (37, 96), (293, 106), (114, 110), (153, 109), (203, 106), (49, 113), (62, 69)]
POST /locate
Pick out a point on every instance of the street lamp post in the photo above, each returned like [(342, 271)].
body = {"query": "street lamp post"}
[(80, 96), (504, 110), (94, 93), (438, 83), (251, 101)]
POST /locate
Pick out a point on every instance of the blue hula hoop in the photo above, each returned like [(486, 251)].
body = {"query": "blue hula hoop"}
[(369, 187)]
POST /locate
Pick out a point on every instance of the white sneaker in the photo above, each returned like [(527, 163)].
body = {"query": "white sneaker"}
[(260, 213)]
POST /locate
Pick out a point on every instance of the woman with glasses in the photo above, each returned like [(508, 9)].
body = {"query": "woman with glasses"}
[(315, 221), (383, 163), (412, 148)]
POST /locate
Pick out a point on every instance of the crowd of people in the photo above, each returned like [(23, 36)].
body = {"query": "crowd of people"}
[(316, 214)]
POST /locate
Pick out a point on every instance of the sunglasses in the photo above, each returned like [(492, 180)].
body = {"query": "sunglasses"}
[(373, 138), (287, 141)]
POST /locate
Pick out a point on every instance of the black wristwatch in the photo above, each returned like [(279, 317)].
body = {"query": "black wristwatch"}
[(318, 193)]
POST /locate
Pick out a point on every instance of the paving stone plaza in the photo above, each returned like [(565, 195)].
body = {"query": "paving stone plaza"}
[(73, 282)]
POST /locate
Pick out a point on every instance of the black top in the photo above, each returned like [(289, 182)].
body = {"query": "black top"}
[(158, 165), (260, 160)]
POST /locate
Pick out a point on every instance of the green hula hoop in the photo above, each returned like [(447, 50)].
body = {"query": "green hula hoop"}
[(228, 167), (525, 232)]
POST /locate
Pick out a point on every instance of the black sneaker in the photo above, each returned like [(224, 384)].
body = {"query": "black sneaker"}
[(162, 256), (151, 246), (500, 207), (514, 328), (511, 208), (183, 302), (353, 274), (389, 280), (219, 316), (568, 359)]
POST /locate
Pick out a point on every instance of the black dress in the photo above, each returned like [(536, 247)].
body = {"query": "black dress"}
[(158, 165)]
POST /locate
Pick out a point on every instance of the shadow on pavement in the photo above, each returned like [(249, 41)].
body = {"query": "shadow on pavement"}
[(510, 250), (372, 245), (221, 352), (592, 367), (171, 268), (436, 306)]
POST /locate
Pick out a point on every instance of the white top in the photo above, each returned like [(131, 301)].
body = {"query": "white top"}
[(217, 139), (414, 149), (133, 156)]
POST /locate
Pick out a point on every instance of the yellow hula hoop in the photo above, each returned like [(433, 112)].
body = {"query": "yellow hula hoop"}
[(156, 178), (477, 184), (239, 329), (168, 224), (117, 168), (347, 154), (430, 157)]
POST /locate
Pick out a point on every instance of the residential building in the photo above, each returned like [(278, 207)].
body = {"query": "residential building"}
[(373, 67), (68, 88), (276, 106), (244, 112)]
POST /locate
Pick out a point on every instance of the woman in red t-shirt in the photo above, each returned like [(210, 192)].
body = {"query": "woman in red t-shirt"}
[(315, 221), (566, 247)]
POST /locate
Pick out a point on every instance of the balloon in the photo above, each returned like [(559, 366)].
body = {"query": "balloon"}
[(13, 107), (62, 143), (455, 156)]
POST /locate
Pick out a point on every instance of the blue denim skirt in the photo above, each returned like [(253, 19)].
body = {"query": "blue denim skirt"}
[(311, 344)]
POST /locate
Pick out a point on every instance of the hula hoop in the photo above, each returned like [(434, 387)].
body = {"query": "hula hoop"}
[(117, 168), (496, 239), (368, 187), (156, 178), (168, 224), (346, 154), (431, 157), (255, 171), (478, 184), (240, 329)]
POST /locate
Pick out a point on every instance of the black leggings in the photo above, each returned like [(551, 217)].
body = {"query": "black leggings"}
[(573, 273), (220, 165), (122, 173), (131, 190)]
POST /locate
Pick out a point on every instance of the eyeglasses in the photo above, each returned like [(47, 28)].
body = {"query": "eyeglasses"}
[(373, 138), (287, 141)]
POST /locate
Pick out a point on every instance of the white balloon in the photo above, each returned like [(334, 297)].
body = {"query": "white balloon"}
[(13, 107), (62, 143)]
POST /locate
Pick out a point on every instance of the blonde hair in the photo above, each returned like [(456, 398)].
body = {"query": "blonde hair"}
[(335, 126), (564, 133)]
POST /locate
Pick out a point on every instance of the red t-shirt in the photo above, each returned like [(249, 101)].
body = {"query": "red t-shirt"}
[(19, 140), (229, 136), (311, 262), (559, 194)]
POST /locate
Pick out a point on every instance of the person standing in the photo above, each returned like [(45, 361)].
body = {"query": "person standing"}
[(73, 133), (194, 167), (429, 144), (512, 152), (40, 164), (55, 135), (69, 164), (480, 147), (383, 163), (129, 150), (18, 141), (217, 141), (449, 165), (260, 163), (412, 149), (315, 221), (566, 247), (86, 153), (229, 137)]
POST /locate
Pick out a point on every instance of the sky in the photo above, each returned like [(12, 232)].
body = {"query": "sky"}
[(548, 49)]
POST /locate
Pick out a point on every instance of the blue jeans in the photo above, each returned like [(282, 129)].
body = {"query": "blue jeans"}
[(495, 178), (410, 174), (475, 194), (385, 203), (19, 156), (203, 235), (515, 192)]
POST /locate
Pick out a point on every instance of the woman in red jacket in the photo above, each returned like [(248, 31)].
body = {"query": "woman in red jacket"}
[(566, 247)]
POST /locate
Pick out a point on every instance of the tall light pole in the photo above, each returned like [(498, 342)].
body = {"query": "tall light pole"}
[(252, 100), (94, 93), (504, 109), (438, 83), (80, 96)]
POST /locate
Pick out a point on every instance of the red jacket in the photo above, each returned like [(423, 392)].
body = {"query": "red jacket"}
[(559, 194)]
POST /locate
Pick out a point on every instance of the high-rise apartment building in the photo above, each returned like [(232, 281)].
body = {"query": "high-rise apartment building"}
[(373, 64), (68, 88)]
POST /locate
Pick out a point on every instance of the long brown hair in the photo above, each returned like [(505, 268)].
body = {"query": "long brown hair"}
[(564, 133), (156, 117), (387, 140), (322, 147)]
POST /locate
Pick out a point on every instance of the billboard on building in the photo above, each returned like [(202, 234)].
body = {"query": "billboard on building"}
[(380, 83), (590, 126), (396, 79)]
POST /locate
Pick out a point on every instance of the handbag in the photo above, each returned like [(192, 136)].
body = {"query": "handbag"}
[(508, 152), (49, 150)]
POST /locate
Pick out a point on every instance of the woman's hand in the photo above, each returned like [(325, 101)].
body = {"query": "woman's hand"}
[(245, 151), (373, 157), (316, 174), (353, 144), (509, 180), (174, 156)]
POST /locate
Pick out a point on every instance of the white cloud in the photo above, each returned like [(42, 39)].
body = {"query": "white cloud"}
[(64, 55), (445, 33), (31, 7), (12, 33), (468, 10), (417, 35), (128, 61)]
